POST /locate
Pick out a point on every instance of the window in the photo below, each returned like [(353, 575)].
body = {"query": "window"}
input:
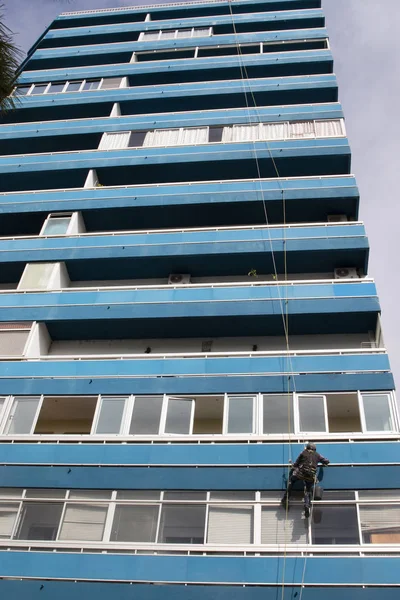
[(230, 524), (37, 276), (335, 525), (111, 83), (13, 338), (110, 416), (182, 524), (39, 521), (170, 34), (146, 415), (380, 525), (74, 86), (56, 224), (8, 515), (312, 413), (135, 524), (279, 528), (179, 415), (177, 137), (377, 412), (91, 84), (66, 415), (56, 87), (240, 414), (278, 413), (83, 521), (21, 416), (137, 138), (215, 134), (22, 90), (38, 89)]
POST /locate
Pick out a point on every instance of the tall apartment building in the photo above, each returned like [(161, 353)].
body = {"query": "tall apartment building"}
[(184, 302)]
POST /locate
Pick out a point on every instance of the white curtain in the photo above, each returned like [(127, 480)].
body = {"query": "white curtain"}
[(113, 141), (332, 128), (194, 135), (150, 35), (279, 528), (111, 83), (83, 522), (274, 131), (302, 129), (242, 133), (201, 32), (230, 525), (8, 513)]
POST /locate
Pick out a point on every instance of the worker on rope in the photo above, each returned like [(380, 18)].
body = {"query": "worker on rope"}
[(304, 469)]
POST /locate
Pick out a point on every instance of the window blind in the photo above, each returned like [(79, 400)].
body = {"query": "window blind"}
[(230, 525), (83, 522), (302, 129), (378, 518), (331, 128)]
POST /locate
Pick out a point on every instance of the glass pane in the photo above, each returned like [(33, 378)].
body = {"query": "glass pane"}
[(185, 495), (83, 522), (56, 87), (377, 412), (215, 134), (380, 524), (150, 35), (278, 413), (232, 495), (184, 33), (11, 492), (45, 493), (36, 276), (22, 90), (39, 521), (136, 139), (73, 86), (201, 31), (12, 342), (38, 89), (110, 417), (179, 413), (312, 413), (146, 415), (230, 525), (277, 527), (111, 83), (182, 524), (334, 525), (56, 226), (90, 495), (138, 495), (240, 416), (338, 495), (378, 494), (8, 514), (22, 414), (135, 524), (168, 35), (91, 85)]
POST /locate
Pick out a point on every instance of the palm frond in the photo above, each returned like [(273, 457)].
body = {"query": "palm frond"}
[(10, 58)]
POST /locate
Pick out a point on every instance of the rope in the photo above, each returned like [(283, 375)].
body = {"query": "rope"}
[(284, 311)]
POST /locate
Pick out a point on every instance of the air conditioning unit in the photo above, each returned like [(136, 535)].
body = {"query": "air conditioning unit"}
[(179, 279), (346, 273), (337, 218)]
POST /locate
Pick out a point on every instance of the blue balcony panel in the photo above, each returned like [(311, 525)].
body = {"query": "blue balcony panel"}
[(197, 312), (282, 20), (176, 97), (190, 478), (186, 205), (217, 455), (40, 58), (204, 69), (294, 158), (62, 590), (31, 131), (201, 254), (179, 11), (306, 382)]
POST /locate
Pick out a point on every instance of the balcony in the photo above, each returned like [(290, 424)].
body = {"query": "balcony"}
[(192, 204), (280, 64), (120, 32), (282, 41), (169, 98), (293, 158)]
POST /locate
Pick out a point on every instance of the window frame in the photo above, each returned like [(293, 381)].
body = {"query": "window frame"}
[(298, 429)]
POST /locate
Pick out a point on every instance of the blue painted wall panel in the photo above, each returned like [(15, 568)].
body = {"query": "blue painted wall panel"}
[(201, 569), (194, 454)]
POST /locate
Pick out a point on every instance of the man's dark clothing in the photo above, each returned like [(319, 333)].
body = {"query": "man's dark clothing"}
[(305, 469)]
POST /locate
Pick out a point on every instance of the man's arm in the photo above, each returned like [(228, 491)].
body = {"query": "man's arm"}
[(323, 460)]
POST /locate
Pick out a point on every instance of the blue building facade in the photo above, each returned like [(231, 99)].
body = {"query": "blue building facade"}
[(184, 303)]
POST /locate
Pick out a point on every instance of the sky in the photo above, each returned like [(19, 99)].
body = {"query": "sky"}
[(366, 47)]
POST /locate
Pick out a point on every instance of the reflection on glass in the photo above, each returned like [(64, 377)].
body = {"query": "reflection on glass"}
[(312, 413), (110, 417), (146, 415), (377, 412), (135, 524), (240, 416), (39, 521), (182, 524), (55, 226), (334, 525), (179, 414), (22, 414)]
